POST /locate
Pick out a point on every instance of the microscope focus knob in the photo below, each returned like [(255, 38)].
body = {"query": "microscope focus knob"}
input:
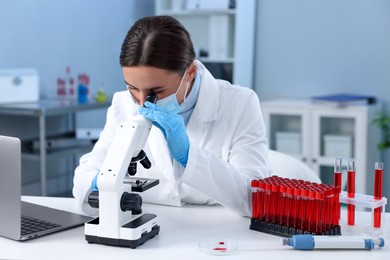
[(93, 199), (131, 202)]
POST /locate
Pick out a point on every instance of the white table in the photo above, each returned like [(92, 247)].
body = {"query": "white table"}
[(181, 229)]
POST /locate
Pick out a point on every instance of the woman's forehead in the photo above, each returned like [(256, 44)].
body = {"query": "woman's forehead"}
[(149, 77)]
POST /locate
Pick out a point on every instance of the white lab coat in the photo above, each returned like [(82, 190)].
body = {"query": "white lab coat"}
[(228, 149)]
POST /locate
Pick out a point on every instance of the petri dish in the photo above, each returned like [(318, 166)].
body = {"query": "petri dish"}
[(218, 246)]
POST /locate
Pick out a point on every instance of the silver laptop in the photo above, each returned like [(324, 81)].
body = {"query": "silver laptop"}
[(21, 220)]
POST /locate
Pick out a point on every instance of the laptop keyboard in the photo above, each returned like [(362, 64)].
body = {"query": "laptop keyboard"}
[(32, 225)]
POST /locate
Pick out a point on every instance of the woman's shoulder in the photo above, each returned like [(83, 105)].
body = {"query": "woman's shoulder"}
[(223, 89), (236, 92)]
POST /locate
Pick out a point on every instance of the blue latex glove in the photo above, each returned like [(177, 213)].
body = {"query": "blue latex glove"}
[(94, 183), (172, 125)]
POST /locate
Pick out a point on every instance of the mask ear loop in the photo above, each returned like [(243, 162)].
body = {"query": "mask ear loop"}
[(185, 93), (181, 82), (188, 83)]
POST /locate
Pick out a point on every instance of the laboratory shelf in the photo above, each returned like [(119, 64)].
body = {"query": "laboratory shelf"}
[(42, 111), (196, 12), (214, 60), (223, 36), (59, 152), (317, 133)]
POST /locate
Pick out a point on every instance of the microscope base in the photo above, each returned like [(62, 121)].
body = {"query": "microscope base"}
[(131, 235)]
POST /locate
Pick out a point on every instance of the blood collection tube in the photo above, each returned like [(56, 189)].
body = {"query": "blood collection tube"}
[(310, 210), (336, 205), (260, 194), (272, 205), (274, 202), (330, 205), (318, 213), (288, 207), (378, 185), (282, 204), (337, 180), (351, 192), (304, 204), (300, 206), (255, 202), (267, 201), (295, 206), (337, 172)]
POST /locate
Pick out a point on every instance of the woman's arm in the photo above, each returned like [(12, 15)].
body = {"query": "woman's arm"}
[(228, 180)]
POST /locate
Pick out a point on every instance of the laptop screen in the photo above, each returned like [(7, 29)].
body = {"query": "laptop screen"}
[(10, 186)]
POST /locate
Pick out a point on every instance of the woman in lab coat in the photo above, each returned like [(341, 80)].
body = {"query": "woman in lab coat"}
[(205, 150)]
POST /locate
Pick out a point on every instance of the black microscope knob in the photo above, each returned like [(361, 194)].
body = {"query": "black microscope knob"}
[(131, 202), (93, 199)]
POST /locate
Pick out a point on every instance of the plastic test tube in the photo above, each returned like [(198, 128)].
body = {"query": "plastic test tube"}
[(295, 207), (304, 204), (378, 185), (267, 201), (274, 207), (337, 181), (351, 192), (260, 199), (310, 242), (288, 207), (310, 211), (282, 204), (318, 211), (255, 202)]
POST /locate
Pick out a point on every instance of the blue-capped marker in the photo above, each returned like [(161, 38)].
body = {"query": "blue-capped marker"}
[(310, 242)]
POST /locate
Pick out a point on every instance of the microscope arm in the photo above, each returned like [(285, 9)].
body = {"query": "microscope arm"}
[(121, 221), (129, 140)]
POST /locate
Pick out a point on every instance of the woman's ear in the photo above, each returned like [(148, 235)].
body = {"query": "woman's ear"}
[(192, 69)]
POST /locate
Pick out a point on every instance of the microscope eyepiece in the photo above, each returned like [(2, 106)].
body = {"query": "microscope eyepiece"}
[(152, 98)]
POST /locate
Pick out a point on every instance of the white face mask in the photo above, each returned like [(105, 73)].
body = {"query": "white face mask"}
[(170, 102)]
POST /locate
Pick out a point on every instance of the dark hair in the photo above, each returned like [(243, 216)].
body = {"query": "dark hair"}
[(158, 41)]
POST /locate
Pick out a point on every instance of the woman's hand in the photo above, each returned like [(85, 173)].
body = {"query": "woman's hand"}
[(173, 128)]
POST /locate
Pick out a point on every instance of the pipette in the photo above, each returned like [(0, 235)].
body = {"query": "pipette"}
[(310, 242)]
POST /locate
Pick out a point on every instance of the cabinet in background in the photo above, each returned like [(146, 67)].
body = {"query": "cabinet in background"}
[(316, 133)]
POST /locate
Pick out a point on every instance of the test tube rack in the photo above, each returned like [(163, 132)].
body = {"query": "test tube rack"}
[(365, 225), (287, 207)]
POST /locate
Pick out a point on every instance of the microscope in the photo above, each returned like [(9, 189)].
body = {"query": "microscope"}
[(121, 221)]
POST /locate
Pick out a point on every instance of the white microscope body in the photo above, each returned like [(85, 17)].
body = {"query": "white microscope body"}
[(120, 221)]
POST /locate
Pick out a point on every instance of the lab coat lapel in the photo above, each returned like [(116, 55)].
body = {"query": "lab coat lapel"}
[(206, 108)]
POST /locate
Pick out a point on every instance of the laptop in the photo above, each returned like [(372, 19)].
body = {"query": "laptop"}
[(22, 220)]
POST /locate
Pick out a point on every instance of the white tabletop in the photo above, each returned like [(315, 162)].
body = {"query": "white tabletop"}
[(181, 229)]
